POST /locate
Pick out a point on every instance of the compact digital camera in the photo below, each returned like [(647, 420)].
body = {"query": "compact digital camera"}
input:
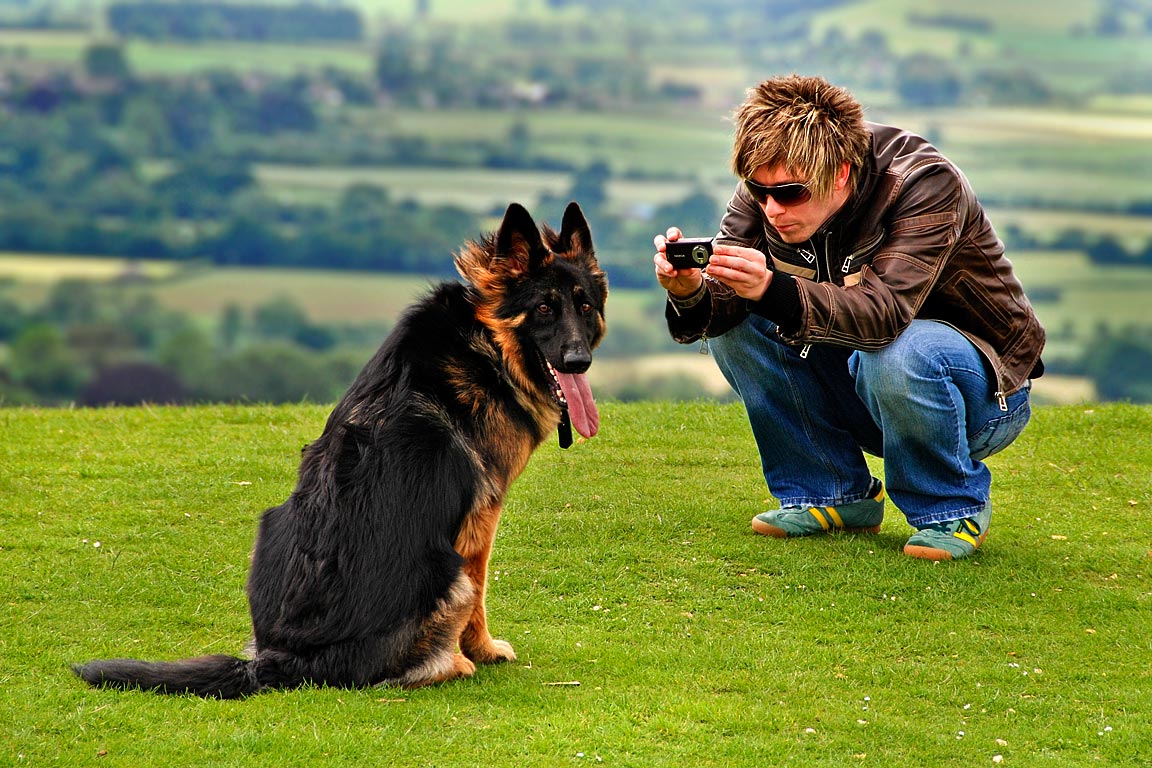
[(689, 252)]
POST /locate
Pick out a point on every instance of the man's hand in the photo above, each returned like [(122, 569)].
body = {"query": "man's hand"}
[(745, 270), (678, 282)]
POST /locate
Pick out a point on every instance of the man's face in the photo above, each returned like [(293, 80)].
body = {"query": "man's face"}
[(797, 222)]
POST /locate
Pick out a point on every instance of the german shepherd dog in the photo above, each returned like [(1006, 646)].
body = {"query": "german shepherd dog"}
[(375, 568)]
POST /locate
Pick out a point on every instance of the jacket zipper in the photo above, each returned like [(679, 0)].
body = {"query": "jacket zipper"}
[(845, 267), (827, 263), (1001, 398), (828, 274), (827, 255)]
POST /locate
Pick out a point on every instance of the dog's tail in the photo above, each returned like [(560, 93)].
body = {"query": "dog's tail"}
[(220, 677)]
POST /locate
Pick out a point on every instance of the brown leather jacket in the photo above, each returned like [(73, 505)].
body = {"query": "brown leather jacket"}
[(912, 242)]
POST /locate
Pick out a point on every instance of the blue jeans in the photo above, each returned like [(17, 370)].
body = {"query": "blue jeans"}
[(925, 403)]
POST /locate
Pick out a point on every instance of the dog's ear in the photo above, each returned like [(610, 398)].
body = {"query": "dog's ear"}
[(575, 242), (575, 236), (517, 247), (518, 244)]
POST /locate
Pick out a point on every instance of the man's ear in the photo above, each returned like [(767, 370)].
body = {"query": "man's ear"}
[(844, 175)]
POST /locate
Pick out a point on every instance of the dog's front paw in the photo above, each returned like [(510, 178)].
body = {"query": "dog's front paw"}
[(493, 652), (504, 650)]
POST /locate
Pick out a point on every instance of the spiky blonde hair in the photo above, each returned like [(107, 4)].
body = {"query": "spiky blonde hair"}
[(803, 124)]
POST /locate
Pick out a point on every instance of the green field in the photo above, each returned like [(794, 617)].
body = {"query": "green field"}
[(1026, 33), (331, 297), (1057, 157), (174, 59), (1134, 232), (1091, 298), (1080, 301), (473, 189), (1033, 17), (1088, 152), (456, 10), (67, 48), (653, 627), (655, 142), (44, 270)]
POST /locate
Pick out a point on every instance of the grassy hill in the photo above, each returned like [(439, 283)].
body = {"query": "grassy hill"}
[(653, 628)]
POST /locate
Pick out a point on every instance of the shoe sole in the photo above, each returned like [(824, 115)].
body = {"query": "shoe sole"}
[(927, 553), (932, 553), (767, 529)]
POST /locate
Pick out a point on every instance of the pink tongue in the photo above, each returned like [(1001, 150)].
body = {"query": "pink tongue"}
[(581, 406)]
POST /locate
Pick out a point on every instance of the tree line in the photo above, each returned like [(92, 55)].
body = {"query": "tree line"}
[(263, 22), (110, 343), (105, 163)]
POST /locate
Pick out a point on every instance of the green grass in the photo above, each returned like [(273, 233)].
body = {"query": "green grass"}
[(475, 189), (455, 10), (626, 565), (1024, 16), (169, 58), (47, 269), (687, 143), (330, 296)]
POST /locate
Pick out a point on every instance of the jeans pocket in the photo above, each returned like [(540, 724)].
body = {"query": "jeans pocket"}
[(998, 433)]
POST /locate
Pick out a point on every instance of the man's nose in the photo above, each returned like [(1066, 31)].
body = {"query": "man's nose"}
[(771, 207)]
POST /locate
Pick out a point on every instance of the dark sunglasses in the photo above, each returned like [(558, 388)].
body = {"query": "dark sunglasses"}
[(793, 193)]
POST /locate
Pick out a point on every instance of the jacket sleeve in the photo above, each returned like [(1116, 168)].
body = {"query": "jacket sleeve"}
[(719, 309), (922, 231)]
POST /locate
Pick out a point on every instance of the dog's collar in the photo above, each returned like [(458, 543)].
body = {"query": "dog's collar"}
[(565, 430)]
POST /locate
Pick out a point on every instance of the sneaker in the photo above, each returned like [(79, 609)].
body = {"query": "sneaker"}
[(951, 540), (862, 516)]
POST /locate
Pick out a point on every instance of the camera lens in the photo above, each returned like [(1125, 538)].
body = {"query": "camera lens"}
[(700, 254)]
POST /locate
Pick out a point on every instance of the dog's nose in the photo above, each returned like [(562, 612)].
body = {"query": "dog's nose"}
[(576, 360)]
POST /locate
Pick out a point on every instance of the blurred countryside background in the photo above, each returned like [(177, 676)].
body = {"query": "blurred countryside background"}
[(230, 201)]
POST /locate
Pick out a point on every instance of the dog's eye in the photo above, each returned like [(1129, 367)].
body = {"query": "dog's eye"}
[(585, 308), (544, 309)]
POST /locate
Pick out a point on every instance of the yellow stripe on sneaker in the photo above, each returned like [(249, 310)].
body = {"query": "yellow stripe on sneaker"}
[(835, 516), (971, 526), (967, 537), (816, 513)]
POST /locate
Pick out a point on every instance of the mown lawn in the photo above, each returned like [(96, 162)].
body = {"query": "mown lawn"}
[(653, 627)]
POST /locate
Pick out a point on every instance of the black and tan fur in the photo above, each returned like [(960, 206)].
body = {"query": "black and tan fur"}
[(374, 570)]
